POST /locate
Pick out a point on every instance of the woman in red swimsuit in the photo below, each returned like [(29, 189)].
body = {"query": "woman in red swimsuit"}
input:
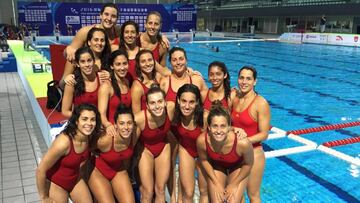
[(129, 32), (187, 126), (87, 83), (58, 174), (220, 86), (154, 163), (152, 39), (226, 160), (179, 76), (251, 112), (97, 41), (146, 76), (116, 92), (109, 177)]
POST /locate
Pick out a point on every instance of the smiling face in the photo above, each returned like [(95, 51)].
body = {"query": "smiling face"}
[(187, 103), (153, 25), (216, 76), (156, 104), (219, 128), (246, 81), (130, 34), (120, 66), (86, 63), (86, 122), (178, 61), (125, 125), (97, 42), (108, 17), (146, 63)]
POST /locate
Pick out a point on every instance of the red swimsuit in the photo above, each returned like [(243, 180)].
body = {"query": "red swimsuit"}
[(131, 75), (228, 161), (155, 139), (155, 51), (143, 97), (88, 97), (187, 138), (245, 121), (171, 94), (66, 171), (114, 103), (207, 103), (110, 162)]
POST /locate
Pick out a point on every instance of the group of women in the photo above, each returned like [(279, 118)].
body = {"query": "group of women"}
[(128, 111)]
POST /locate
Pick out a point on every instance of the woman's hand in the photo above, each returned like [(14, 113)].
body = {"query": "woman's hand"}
[(70, 80), (230, 192), (220, 193), (104, 75), (111, 130), (240, 133)]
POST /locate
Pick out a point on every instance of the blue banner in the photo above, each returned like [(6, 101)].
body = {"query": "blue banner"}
[(70, 17), (36, 16)]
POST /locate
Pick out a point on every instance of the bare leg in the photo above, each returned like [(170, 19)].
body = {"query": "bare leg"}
[(203, 187), (146, 171), (81, 193), (221, 177), (256, 174), (238, 196), (100, 187), (122, 187), (187, 178), (162, 170), (58, 194), (171, 183)]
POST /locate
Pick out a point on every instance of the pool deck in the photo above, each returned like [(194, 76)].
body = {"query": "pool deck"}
[(22, 144)]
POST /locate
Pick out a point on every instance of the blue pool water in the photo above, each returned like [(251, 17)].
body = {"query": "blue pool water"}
[(306, 86)]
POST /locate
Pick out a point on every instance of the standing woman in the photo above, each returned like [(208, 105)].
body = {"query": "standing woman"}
[(129, 32), (226, 159), (188, 125), (146, 76), (98, 42), (179, 75), (154, 163), (87, 83), (152, 39), (114, 92), (58, 175), (220, 86), (251, 112), (109, 177)]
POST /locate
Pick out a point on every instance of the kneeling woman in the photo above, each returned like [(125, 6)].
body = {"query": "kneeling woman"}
[(227, 160), (109, 175), (58, 175)]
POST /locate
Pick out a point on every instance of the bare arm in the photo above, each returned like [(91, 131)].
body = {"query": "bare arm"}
[(136, 93), (104, 95), (78, 41), (59, 148), (263, 111), (163, 56), (67, 102), (163, 70), (244, 149), (69, 69)]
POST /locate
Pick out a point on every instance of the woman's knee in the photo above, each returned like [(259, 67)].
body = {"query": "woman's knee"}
[(146, 192), (187, 193), (160, 189)]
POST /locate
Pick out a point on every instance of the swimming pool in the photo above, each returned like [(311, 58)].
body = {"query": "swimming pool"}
[(306, 85)]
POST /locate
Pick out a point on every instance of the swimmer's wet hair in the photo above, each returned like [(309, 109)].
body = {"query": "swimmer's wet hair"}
[(218, 110)]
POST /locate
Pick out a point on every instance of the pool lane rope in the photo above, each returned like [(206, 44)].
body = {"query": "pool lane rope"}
[(346, 141), (324, 128)]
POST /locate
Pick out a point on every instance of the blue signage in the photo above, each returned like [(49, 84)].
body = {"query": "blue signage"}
[(67, 18)]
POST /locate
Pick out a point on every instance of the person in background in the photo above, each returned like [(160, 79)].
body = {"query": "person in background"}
[(322, 23), (59, 174)]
